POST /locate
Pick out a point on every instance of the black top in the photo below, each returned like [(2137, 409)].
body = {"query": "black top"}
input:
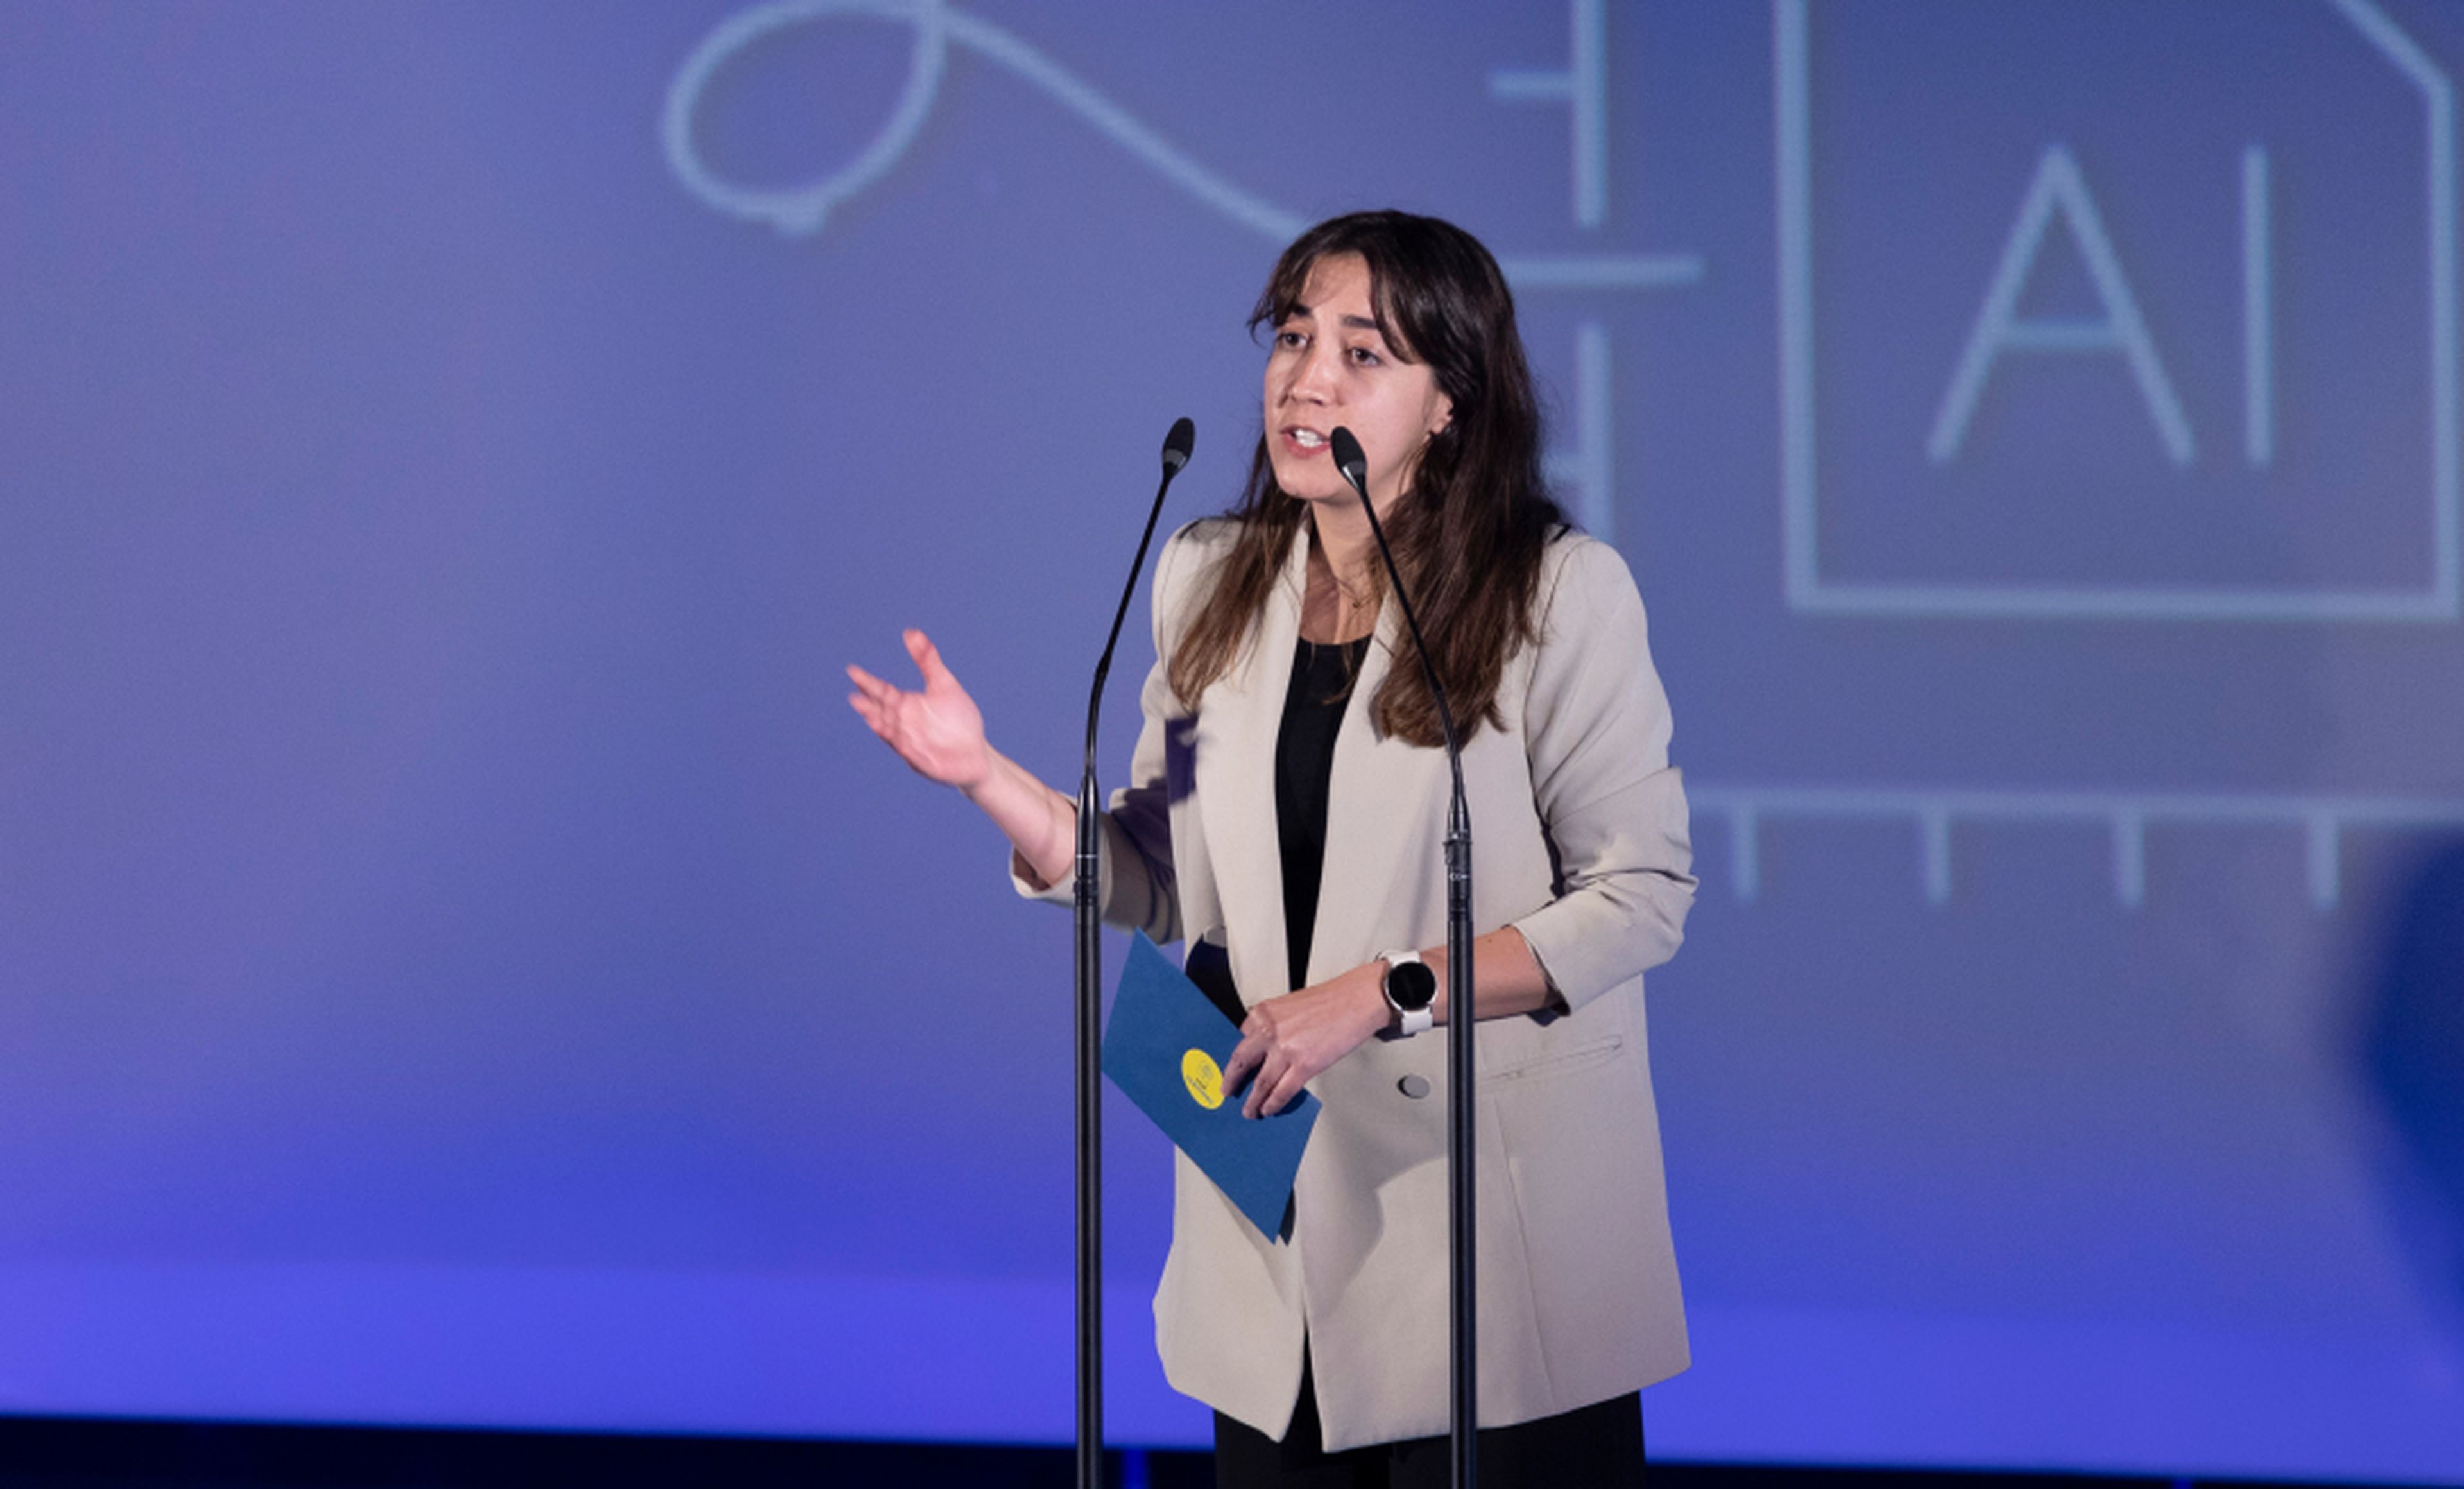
[(1322, 678)]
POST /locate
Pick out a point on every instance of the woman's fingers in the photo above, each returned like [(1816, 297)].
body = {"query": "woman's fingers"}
[(1281, 1080), (1272, 1072), (927, 659), (1286, 1041), (1264, 1064), (874, 700), (938, 730), (867, 684), (882, 708), (1244, 1062), (1257, 1062), (928, 663)]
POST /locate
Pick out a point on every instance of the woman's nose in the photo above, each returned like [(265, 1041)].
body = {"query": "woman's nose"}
[(1315, 376)]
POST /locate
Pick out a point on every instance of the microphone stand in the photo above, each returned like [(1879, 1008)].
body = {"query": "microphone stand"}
[(1462, 1354), (1090, 960)]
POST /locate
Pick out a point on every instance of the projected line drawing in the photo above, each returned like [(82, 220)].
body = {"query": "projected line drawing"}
[(2060, 191), (804, 210), (2322, 821), (2257, 314), (1590, 466), (2059, 187), (1582, 85)]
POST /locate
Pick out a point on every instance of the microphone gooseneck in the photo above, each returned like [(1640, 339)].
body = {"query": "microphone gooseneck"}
[(1352, 463), (1176, 448), (1463, 1412), (1088, 1016)]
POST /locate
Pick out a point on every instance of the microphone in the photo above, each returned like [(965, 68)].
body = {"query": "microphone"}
[(1176, 448), (1088, 1020), (1352, 463), (1461, 1236)]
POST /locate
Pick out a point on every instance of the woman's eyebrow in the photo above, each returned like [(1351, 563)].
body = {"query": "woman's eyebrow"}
[(1300, 312)]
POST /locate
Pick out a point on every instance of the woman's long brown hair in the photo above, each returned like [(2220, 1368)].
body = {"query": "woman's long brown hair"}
[(1468, 533)]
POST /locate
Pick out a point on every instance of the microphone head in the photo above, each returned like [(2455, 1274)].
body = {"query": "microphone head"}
[(1350, 460), (1177, 445)]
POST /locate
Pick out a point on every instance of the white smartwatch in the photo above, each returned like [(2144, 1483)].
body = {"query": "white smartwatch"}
[(1411, 988)]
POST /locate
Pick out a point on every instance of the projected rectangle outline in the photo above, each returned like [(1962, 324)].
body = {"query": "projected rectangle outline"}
[(1802, 582)]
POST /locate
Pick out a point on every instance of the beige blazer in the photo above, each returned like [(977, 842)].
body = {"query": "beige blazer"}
[(1580, 839)]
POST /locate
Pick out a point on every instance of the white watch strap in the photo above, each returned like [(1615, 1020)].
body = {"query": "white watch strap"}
[(1411, 1021)]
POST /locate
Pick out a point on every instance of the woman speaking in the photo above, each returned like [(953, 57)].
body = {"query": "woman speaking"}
[(1284, 816)]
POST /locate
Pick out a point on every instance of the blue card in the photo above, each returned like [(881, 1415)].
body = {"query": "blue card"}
[(1165, 1049)]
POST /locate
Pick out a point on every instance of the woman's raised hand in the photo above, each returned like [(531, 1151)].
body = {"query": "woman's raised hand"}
[(938, 732)]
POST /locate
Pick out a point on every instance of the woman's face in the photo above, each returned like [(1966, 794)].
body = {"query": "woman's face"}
[(1329, 367)]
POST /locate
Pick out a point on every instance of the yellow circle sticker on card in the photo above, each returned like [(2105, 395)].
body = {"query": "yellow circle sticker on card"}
[(1203, 1077)]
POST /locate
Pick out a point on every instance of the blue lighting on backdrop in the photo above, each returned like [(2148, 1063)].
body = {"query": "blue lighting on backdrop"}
[(460, 963)]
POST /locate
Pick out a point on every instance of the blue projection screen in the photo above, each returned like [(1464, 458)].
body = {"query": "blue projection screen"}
[(461, 963)]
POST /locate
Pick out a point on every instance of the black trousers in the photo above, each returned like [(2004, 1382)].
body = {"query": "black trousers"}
[(1590, 1446)]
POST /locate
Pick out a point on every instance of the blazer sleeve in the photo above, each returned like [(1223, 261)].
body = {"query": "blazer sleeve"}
[(1134, 880), (1597, 729)]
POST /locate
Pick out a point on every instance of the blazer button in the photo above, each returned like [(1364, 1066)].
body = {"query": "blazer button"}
[(1414, 1086)]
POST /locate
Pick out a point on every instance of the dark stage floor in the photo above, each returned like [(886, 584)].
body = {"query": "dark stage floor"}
[(84, 1454)]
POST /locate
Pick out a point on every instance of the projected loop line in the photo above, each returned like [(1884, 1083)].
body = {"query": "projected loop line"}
[(802, 209)]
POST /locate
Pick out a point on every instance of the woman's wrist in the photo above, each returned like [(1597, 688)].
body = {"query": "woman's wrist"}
[(1040, 823), (988, 777), (1377, 1015)]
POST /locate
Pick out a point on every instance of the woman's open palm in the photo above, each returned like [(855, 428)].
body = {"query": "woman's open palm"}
[(938, 732)]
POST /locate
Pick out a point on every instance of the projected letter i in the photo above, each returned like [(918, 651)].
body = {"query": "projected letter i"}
[(2257, 339)]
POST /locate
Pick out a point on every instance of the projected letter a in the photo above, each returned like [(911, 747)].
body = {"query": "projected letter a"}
[(2059, 186)]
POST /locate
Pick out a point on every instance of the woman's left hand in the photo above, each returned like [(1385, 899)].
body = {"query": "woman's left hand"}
[(1286, 1042)]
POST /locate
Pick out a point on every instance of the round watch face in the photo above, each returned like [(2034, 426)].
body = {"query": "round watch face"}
[(1411, 986)]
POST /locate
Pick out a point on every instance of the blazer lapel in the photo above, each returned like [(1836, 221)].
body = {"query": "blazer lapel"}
[(1240, 719), (1379, 829)]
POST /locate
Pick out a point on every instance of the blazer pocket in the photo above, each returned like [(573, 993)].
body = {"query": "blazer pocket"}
[(1564, 1062)]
